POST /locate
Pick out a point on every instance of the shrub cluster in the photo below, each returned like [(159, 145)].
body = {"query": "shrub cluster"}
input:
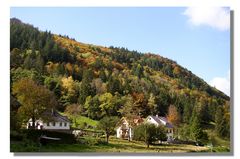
[(34, 135)]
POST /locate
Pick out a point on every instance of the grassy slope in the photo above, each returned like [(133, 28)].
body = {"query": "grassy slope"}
[(80, 120)]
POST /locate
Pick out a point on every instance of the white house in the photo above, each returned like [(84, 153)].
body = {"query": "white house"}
[(125, 126), (53, 121), (164, 122)]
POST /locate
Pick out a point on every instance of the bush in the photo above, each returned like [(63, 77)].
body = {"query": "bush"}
[(87, 141), (26, 146), (91, 141), (16, 136), (202, 139), (34, 135)]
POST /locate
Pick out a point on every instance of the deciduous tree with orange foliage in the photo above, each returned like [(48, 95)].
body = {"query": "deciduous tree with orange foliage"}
[(173, 115)]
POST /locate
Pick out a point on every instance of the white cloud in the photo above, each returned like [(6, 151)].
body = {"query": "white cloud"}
[(215, 17), (222, 83)]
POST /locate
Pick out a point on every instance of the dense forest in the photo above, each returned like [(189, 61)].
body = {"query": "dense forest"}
[(96, 81)]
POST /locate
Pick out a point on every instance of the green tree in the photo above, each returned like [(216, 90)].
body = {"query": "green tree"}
[(138, 70), (161, 134), (152, 104), (14, 122), (88, 75), (149, 133), (187, 111), (197, 132), (108, 124), (102, 75), (69, 90), (98, 63), (221, 125), (15, 58), (162, 100), (61, 69), (85, 90), (39, 64), (53, 84), (114, 85), (126, 109), (34, 99), (92, 108), (107, 104), (19, 73), (184, 132), (29, 62)]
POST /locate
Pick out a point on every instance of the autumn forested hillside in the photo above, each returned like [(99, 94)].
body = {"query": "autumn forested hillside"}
[(96, 81)]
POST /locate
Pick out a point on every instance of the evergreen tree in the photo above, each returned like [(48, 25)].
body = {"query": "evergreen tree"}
[(187, 111), (39, 64), (221, 125), (197, 132), (152, 104), (98, 63), (138, 70), (28, 62), (92, 108), (15, 58), (61, 69), (85, 90), (114, 85), (88, 75), (102, 75), (127, 109)]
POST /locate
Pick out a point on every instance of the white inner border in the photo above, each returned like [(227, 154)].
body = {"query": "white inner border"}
[(4, 60)]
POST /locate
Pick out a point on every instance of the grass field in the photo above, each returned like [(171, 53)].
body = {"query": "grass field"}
[(83, 122), (115, 145)]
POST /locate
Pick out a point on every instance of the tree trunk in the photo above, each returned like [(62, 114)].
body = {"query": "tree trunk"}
[(107, 135), (147, 145)]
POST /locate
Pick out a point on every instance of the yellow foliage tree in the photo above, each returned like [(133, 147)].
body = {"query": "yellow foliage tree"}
[(34, 99), (173, 115)]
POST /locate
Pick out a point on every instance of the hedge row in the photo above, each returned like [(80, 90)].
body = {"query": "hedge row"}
[(66, 138)]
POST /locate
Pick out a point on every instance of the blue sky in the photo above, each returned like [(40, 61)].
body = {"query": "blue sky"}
[(199, 42)]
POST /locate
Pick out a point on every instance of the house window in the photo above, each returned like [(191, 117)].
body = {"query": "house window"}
[(65, 124), (48, 123), (54, 123), (60, 124)]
